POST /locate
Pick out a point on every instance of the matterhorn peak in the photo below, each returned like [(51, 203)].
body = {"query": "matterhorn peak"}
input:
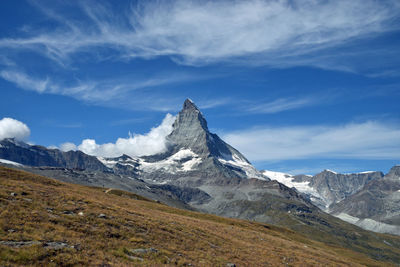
[(190, 122), (189, 105), (190, 137)]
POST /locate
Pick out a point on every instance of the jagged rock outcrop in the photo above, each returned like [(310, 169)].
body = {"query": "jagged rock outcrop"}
[(376, 206), (334, 187), (13, 150), (327, 187)]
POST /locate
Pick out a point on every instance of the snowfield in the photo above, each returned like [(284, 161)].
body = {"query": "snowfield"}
[(236, 161), (287, 179), (173, 164), (11, 162)]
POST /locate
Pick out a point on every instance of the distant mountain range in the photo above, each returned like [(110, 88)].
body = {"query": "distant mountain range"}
[(200, 171), (370, 200)]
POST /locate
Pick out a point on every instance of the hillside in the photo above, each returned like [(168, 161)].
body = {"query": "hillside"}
[(48, 222)]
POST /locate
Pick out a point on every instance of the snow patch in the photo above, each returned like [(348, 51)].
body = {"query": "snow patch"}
[(281, 177), (107, 162), (287, 180), (174, 163), (238, 162), (111, 162), (369, 224), (327, 170), (366, 172), (157, 182), (379, 227), (347, 218), (11, 162), (182, 154), (189, 165)]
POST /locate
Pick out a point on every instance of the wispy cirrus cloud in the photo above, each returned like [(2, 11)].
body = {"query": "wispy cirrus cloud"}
[(278, 33), (213, 103), (24, 81), (274, 33), (116, 91), (282, 104), (367, 140), (111, 92)]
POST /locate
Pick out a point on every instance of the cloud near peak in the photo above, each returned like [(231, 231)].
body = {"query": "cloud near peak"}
[(11, 128), (135, 145)]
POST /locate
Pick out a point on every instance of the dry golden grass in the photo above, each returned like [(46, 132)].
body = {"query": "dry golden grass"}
[(47, 210)]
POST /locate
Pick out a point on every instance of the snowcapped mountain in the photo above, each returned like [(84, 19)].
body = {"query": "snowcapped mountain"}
[(327, 187), (334, 187), (201, 152), (300, 182), (367, 199), (376, 206), (192, 152)]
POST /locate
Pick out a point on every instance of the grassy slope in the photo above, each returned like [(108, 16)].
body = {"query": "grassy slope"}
[(181, 237)]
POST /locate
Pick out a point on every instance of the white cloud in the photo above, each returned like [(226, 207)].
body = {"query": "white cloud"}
[(68, 147), (282, 104), (368, 140), (111, 92), (11, 128), (137, 145), (200, 32), (24, 81), (213, 103)]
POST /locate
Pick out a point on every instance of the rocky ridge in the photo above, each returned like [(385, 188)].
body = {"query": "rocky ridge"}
[(376, 206)]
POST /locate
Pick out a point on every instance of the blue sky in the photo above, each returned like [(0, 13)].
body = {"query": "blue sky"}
[(296, 86)]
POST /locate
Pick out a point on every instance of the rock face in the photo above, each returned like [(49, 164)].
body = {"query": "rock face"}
[(326, 188), (394, 173), (195, 152), (190, 130), (25, 154), (334, 187), (376, 206)]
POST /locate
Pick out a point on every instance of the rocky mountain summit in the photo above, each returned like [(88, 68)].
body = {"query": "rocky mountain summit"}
[(194, 151)]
